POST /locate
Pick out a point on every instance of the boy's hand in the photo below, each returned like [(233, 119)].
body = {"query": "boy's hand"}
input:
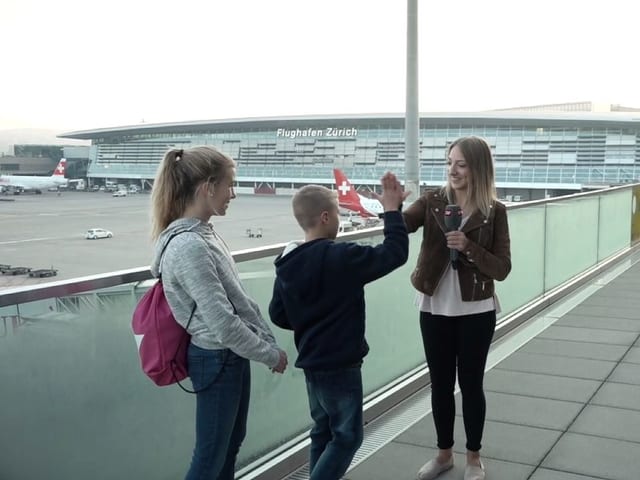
[(282, 363), (392, 194)]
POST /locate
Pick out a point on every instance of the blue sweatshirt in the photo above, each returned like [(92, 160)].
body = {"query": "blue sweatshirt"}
[(319, 294)]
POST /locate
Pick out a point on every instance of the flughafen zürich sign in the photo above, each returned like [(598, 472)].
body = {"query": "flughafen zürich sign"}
[(316, 132)]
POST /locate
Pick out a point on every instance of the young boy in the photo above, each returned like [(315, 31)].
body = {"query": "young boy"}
[(319, 294)]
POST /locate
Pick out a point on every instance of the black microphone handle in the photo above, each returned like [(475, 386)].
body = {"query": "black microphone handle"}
[(453, 255)]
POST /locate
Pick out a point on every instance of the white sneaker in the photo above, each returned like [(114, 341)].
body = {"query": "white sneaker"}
[(432, 469), (473, 472)]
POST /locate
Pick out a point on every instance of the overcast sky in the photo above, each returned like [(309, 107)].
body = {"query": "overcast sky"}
[(78, 64)]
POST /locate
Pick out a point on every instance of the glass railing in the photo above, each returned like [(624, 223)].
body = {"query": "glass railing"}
[(75, 404)]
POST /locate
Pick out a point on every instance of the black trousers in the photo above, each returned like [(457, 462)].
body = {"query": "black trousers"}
[(461, 342)]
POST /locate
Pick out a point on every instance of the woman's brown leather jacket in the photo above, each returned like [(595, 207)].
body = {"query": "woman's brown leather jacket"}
[(486, 258)]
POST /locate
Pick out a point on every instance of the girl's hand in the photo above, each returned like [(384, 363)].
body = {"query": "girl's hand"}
[(282, 363), (457, 240)]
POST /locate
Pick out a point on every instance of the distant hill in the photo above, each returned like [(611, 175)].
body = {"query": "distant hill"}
[(42, 136)]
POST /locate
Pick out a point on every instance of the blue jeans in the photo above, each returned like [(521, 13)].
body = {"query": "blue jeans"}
[(221, 411), (335, 402)]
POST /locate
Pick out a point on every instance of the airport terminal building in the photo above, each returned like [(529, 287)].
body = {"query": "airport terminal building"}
[(537, 154)]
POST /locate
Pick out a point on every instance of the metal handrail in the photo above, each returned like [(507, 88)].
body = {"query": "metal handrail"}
[(573, 196), (61, 288)]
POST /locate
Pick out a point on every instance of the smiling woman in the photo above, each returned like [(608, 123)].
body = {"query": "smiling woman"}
[(455, 276)]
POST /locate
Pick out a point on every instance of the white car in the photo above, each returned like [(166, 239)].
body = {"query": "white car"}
[(120, 193), (95, 233)]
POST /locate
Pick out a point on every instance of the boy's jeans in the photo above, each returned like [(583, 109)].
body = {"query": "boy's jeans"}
[(335, 402), (221, 411)]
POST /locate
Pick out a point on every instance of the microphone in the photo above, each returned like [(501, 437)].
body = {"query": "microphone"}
[(452, 220)]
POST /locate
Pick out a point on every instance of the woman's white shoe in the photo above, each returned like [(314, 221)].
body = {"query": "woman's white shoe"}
[(432, 469), (474, 472)]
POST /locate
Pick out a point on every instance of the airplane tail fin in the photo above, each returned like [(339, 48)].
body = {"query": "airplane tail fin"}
[(347, 195), (60, 168)]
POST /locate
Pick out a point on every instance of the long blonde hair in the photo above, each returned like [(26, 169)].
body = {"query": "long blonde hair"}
[(481, 189), (179, 175)]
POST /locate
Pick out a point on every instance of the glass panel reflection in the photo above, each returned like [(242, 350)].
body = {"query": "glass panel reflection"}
[(77, 405)]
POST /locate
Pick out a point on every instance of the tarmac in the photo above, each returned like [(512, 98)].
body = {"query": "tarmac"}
[(48, 231)]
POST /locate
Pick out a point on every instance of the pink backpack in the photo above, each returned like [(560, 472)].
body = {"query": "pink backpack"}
[(162, 342)]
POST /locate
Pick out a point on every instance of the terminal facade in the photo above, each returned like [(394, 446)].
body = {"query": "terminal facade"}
[(537, 154)]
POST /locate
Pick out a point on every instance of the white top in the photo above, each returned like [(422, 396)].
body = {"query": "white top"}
[(447, 299)]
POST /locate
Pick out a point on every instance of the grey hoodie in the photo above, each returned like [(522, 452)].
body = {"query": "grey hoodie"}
[(197, 267)]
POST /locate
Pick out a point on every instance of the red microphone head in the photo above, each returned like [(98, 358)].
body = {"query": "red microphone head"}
[(452, 217)]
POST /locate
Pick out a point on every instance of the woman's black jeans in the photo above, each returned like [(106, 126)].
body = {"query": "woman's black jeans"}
[(461, 341)]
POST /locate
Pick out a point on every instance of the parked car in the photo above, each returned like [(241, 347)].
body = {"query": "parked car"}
[(120, 193), (95, 233)]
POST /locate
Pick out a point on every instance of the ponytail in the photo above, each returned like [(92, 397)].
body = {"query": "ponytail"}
[(179, 175)]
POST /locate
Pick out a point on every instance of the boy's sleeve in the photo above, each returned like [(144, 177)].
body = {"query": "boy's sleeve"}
[(276, 308), (369, 263)]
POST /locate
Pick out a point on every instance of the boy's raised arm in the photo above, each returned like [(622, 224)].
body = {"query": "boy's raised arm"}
[(370, 263), (392, 194)]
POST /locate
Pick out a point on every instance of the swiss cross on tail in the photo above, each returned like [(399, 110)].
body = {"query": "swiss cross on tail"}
[(350, 200), (59, 171), (346, 192)]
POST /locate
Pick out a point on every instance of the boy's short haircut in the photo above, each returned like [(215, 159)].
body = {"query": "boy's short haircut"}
[(309, 203)]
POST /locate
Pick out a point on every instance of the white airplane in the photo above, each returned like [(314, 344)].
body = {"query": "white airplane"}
[(19, 183), (351, 200)]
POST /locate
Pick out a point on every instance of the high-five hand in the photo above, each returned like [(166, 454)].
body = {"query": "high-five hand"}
[(392, 194)]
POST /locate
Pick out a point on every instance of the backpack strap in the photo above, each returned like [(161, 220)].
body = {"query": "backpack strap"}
[(193, 311), (160, 273), (173, 235)]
